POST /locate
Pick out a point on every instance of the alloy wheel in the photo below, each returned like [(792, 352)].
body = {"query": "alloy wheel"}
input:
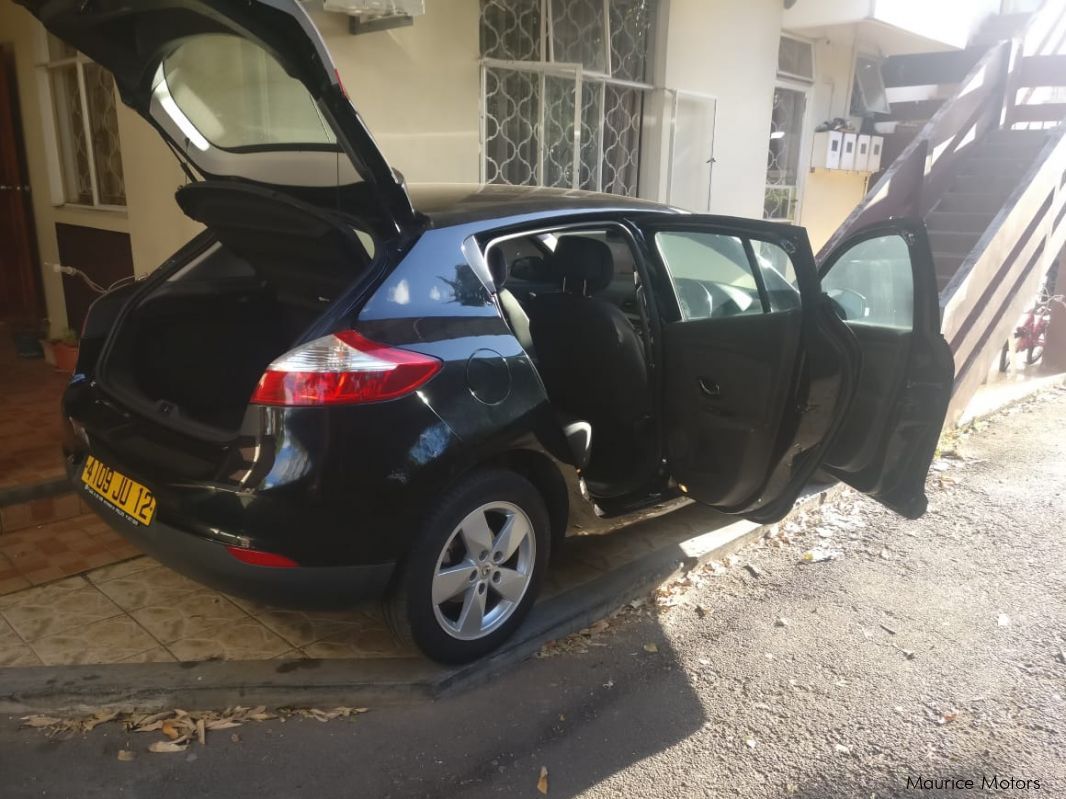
[(484, 570)]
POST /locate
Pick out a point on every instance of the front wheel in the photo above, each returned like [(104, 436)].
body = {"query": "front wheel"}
[(474, 570)]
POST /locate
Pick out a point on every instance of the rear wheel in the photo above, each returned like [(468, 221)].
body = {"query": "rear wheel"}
[(474, 572), (1034, 353)]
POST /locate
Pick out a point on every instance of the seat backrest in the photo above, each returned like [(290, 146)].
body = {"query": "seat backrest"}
[(589, 356), (513, 312)]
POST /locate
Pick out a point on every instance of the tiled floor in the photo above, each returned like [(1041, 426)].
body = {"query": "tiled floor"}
[(138, 610), (44, 554), (29, 418)]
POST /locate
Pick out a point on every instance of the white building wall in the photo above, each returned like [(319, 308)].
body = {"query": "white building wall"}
[(728, 48), (418, 88)]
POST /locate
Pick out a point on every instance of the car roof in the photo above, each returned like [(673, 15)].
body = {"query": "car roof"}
[(448, 204)]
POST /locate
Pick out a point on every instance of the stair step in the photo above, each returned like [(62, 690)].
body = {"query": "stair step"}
[(1021, 150), (953, 243), (1027, 137), (947, 264), (956, 222), (970, 202), (997, 185), (985, 167)]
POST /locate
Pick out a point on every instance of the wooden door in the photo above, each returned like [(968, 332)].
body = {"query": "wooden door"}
[(20, 287)]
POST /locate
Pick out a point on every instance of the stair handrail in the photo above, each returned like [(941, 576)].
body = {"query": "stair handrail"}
[(975, 107), (1044, 34)]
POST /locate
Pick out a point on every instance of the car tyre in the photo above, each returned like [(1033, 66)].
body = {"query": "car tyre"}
[(474, 570)]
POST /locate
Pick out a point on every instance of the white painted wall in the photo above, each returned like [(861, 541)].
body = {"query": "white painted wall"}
[(418, 88), (949, 22), (728, 48), (829, 196)]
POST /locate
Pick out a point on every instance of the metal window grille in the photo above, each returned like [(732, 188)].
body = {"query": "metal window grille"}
[(90, 156), (563, 91)]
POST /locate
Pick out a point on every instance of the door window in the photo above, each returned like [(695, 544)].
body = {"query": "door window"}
[(716, 275), (872, 283)]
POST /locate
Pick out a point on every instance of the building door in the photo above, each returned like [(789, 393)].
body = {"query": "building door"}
[(783, 157), (20, 289), (691, 151)]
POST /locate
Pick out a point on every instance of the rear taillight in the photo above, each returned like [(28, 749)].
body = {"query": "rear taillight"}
[(342, 369)]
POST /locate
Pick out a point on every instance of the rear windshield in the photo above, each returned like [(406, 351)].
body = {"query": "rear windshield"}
[(227, 92)]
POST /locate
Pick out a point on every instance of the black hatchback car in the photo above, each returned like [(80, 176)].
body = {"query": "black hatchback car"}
[(344, 389)]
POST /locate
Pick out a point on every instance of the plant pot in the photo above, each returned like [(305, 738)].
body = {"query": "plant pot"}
[(66, 356), (49, 352)]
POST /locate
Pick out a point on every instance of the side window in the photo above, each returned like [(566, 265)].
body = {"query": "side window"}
[(872, 283), (778, 275), (711, 274), (714, 277)]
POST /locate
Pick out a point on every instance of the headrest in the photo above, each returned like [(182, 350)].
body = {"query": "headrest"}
[(582, 264), (498, 267)]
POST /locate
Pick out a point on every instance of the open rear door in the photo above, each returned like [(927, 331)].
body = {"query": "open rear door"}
[(757, 370), (883, 285)]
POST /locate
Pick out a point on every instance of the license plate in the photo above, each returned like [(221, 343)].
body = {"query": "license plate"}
[(127, 496)]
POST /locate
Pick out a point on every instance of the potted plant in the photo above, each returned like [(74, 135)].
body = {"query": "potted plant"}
[(65, 351)]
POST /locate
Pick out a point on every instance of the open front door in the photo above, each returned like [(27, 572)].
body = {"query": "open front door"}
[(883, 285), (756, 367)]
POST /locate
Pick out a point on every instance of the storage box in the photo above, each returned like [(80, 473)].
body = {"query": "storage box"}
[(847, 155)]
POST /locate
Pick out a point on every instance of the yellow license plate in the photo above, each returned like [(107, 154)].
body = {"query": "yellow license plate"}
[(120, 492)]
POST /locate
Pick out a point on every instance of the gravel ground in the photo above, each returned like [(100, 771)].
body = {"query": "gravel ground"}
[(932, 650)]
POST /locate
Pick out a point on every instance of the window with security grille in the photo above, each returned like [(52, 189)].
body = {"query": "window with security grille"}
[(564, 87), (86, 118)]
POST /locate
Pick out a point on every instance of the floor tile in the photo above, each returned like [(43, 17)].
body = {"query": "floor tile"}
[(123, 569), (44, 593), (244, 640), (44, 611), (13, 651), (156, 586), (191, 616), (368, 642), (157, 655), (108, 641), (300, 628)]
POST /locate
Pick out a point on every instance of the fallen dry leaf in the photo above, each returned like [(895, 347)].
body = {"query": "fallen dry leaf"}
[(649, 647), (542, 781), (39, 722), (201, 732), (170, 731), (166, 747), (125, 755)]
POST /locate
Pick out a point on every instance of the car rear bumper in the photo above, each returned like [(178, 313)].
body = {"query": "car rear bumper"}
[(210, 563)]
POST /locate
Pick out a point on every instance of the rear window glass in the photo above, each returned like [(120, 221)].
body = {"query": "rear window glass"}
[(236, 95)]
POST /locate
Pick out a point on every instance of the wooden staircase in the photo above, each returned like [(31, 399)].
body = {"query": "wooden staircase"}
[(984, 181), (987, 173)]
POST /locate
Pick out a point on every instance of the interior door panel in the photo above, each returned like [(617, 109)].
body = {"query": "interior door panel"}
[(887, 439), (728, 382), (754, 381), (882, 374)]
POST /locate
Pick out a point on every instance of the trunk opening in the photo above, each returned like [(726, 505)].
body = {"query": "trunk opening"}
[(192, 350)]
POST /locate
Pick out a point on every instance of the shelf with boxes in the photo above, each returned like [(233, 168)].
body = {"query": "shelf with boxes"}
[(848, 152)]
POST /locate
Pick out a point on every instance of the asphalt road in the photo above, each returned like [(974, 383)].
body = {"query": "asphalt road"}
[(932, 650)]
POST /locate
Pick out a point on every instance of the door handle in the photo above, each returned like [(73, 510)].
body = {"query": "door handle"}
[(709, 388)]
